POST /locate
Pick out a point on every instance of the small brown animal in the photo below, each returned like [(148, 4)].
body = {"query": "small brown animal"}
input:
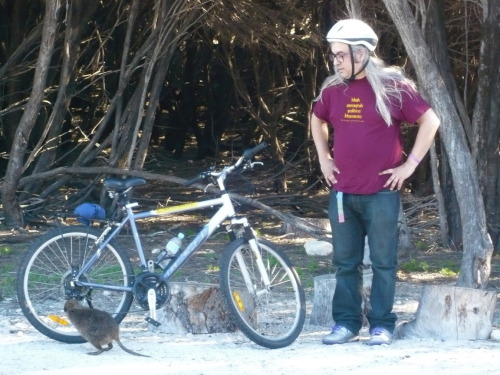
[(96, 326)]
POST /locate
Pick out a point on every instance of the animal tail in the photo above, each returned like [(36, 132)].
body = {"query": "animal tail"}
[(130, 351)]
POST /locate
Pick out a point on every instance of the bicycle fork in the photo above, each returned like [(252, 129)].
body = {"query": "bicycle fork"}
[(254, 246)]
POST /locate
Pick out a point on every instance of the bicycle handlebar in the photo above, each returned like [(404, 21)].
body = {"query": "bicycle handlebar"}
[(248, 154), (195, 180), (251, 152)]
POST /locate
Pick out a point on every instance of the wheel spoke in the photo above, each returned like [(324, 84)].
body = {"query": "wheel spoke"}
[(270, 315), (44, 279)]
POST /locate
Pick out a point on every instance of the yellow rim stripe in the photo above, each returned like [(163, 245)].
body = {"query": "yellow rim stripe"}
[(59, 320), (238, 300)]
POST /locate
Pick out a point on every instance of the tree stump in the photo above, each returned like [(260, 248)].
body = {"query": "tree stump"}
[(194, 308), (324, 288), (452, 313)]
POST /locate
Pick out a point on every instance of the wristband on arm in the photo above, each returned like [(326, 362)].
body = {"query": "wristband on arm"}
[(414, 158)]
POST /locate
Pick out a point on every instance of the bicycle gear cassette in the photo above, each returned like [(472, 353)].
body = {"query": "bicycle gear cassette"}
[(69, 289), (146, 281)]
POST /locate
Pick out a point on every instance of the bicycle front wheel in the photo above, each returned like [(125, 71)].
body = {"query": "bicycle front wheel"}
[(45, 281), (270, 315)]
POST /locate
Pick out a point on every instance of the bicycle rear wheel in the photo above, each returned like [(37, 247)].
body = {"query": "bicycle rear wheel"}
[(272, 316), (44, 280)]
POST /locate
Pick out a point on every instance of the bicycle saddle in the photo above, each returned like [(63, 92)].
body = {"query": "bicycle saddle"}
[(121, 184)]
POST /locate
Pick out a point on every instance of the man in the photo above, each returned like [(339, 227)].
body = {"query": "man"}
[(364, 103)]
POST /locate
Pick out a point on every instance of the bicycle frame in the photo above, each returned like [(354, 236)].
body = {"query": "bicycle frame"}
[(226, 211), (258, 283)]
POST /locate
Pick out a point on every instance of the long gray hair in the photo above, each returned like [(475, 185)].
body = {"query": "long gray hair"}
[(382, 78)]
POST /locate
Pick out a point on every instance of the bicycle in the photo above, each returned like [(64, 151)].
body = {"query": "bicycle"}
[(258, 283)]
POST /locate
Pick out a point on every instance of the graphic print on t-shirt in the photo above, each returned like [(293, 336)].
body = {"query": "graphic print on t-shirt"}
[(354, 110)]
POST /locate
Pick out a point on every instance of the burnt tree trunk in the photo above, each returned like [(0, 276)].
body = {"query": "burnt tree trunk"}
[(77, 15), (436, 38), (478, 248), (354, 8), (486, 119), (165, 48), (12, 209), (451, 205)]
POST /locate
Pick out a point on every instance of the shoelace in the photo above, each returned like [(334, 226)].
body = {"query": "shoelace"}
[(377, 332), (337, 329)]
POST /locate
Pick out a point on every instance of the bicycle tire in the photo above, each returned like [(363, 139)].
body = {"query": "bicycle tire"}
[(43, 280), (271, 317)]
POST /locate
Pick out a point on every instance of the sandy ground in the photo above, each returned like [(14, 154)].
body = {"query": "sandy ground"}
[(25, 351)]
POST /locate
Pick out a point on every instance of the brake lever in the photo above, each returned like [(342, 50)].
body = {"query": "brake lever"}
[(255, 163), (249, 165), (208, 186)]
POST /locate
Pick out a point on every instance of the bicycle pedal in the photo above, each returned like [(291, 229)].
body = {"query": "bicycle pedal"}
[(153, 322)]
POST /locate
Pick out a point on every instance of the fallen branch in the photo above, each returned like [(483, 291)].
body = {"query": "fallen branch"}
[(296, 222)]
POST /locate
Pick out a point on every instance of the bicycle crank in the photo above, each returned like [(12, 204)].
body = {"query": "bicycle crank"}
[(147, 281)]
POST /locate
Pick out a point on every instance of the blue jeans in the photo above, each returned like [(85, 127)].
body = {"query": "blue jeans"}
[(374, 216)]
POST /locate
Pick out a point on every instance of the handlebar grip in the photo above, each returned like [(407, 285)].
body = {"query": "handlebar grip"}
[(192, 181), (248, 154)]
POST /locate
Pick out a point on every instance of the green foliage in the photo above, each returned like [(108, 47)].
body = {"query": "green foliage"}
[(308, 283), (415, 265), (7, 272), (305, 277), (446, 268), (190, 232), (446, 272), (213, 268), (422, 245), (313, 266), (179, 273), (7, 280), (4, 250), (209, 254)]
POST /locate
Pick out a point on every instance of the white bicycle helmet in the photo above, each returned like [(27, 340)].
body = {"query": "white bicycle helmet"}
[(353, 32)]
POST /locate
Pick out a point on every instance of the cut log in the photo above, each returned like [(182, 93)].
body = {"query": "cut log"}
[(290, 227), (452, 313), (324, 288), (194, 308)]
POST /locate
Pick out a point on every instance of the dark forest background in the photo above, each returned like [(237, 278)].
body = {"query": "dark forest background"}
[(90, 88)]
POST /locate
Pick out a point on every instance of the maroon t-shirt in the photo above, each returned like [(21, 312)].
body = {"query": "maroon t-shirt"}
[(363, 144)]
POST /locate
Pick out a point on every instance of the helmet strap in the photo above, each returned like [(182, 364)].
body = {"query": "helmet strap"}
[(353, 75)]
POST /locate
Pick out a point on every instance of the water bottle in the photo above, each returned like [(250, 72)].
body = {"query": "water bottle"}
[(174, 245), (171, 248)]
